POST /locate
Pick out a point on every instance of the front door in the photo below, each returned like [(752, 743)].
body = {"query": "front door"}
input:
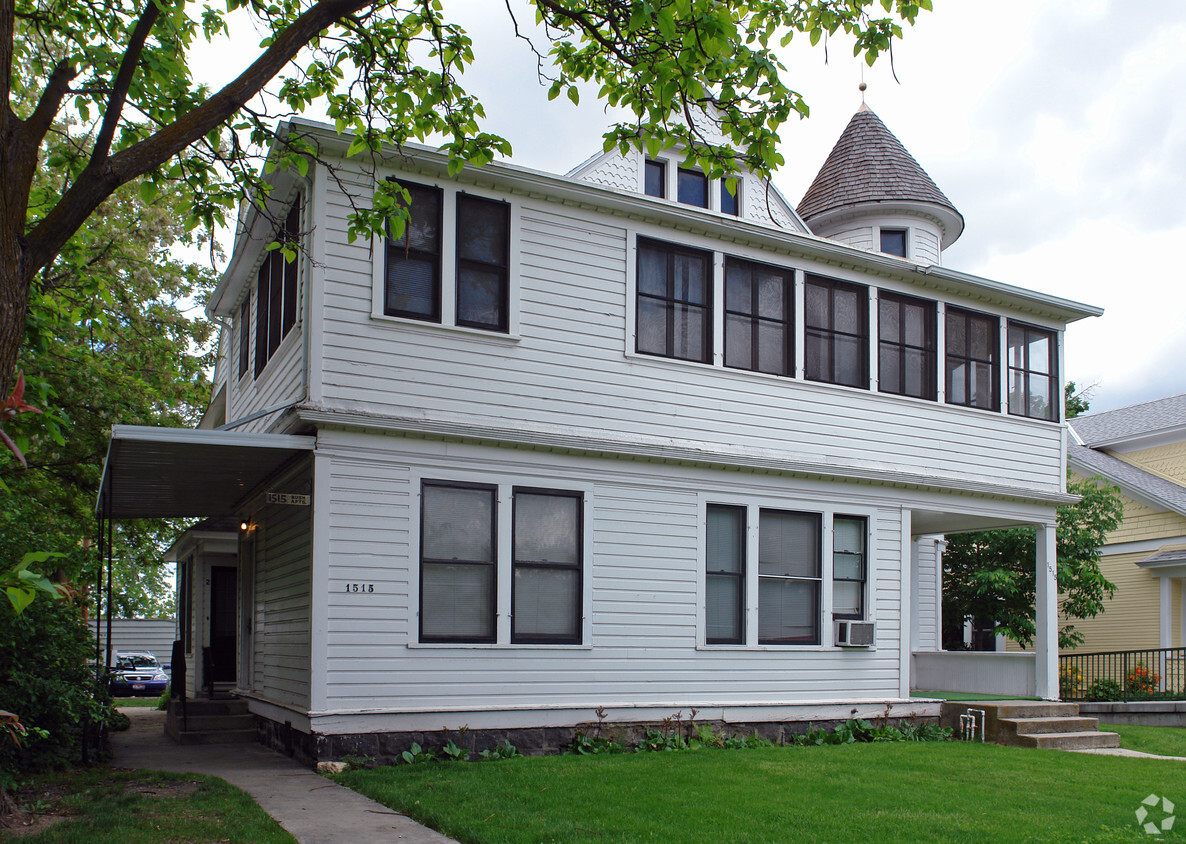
[(223, 619)]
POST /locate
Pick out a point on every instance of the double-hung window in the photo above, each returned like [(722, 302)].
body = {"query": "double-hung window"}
[(836, 345), (1033, 372), (674, 310), (789, 576), (849, 562), (458, 562), (906, 346), (759, 317), (973, 360), (276, 292), (724, 611), (483, 262), (546, 580), (245, 334), (412, 277)]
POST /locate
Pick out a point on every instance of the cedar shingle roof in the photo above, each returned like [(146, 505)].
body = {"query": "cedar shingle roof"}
[(1132, 421), (868, 164)]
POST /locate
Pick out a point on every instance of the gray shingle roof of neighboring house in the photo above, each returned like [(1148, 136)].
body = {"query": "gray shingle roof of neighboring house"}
[(1176, 556), (1132, 421), (1088, 462), (869, 164)]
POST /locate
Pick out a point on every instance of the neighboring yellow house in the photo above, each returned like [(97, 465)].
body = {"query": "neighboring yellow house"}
[(1142, 450)]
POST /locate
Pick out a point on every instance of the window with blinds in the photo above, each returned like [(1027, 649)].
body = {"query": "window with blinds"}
[(546, 578), (458, 548), (789, 576), (724, 587)]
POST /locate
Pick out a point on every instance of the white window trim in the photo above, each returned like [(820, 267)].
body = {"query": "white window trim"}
[(449, 191), (753, 504), (672, 162), (503, 563)]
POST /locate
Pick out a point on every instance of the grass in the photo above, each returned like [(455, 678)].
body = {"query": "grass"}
[(901, 792), (102, 806), (145, 702), (1164, 741)]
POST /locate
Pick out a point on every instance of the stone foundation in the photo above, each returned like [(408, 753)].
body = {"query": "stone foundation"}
[(385, 748)]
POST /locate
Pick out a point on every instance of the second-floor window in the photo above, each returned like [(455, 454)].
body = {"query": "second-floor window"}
[(759, 317), (1033, 373), (483, 261), (276, 293), (906, 346), (893, 242), (836, 348), (412, 278), (245, 334), (973, 360), (692, 188), (655, 178), (674, 304), (731, 201)]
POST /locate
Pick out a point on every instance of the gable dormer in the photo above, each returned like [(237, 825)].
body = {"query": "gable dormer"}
[(669, 177), (872, 194)]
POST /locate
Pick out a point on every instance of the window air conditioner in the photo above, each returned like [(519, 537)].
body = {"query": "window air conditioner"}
[(855, 634)]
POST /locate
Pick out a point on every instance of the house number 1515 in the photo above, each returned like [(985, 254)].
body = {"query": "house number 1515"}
[(360, 587)]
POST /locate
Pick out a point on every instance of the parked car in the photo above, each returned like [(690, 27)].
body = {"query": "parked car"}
[(137, 674)]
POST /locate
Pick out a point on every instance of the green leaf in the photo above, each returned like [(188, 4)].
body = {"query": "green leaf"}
[(148, 190)]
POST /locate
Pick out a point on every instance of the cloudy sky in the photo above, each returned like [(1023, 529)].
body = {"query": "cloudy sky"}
[(1054, 126)]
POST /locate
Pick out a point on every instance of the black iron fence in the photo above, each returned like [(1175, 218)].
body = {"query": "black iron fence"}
[(1158, 673)]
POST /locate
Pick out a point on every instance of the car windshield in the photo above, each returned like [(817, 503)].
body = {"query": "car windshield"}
[(137, 661)]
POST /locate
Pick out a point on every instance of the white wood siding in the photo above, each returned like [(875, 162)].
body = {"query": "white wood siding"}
[(572, 369), (858, 236), (283, 550), (644, 570), (926, 246), (927, 598), (281, 382)]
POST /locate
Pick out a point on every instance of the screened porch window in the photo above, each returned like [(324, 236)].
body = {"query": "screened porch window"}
[(906, 353), (674, 301), (973, 361), (789, 577), (546, 582), (759, 317), (458, 543), (725, 575), (1033, 373), (837, 339)]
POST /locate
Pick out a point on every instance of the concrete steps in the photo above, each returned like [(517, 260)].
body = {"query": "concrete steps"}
[(1031, 724), (210, 722)]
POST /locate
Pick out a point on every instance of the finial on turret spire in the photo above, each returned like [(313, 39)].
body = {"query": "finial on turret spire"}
[(862, 87)]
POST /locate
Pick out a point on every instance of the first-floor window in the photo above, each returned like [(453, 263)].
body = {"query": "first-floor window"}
[(458, 542), (725, 575), (546, 583), (1033, 373), (789, 575), (848, 567)]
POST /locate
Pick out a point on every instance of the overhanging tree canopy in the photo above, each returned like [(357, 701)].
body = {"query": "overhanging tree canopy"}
[(102, 93)]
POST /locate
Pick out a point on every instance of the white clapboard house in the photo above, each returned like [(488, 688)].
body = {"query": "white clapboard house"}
[(626, 440)]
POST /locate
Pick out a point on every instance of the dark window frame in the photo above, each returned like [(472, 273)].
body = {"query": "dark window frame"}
[(929, 350), (894, 232), (864, 555), (503, 270), (818, 579), (492, 564), (276, 290), (788, 320), (701, 179), (660, 167), (434, 257), (733, 199), (740, 577), (1056, 398), (994, 361), (579, 566), (245, 335), (830, 333), (670, 301)]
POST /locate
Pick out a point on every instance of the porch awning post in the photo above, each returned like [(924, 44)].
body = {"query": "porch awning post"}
[(1046, 614)]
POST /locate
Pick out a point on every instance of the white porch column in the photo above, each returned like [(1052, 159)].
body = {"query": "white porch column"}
[(1167, 612), (1046, 614)]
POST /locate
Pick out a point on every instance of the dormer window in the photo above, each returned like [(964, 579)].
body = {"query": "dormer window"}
[(893, 242), (731, 202), (692, 188), (656, 179)]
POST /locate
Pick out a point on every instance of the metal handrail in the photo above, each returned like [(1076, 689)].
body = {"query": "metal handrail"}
[(1151, 673)]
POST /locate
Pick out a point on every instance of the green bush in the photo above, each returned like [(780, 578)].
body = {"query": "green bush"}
[(1105, 690), (45, 679)]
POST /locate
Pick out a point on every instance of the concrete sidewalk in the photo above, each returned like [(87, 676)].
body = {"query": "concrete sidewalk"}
[(312, 808)]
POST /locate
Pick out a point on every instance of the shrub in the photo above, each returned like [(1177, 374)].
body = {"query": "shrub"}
[(1140, 680), (504, 750), (1104, 690), (587, 745), (1070, 680)]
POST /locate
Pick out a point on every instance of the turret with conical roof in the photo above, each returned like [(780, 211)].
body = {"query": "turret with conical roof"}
[(873, 194)]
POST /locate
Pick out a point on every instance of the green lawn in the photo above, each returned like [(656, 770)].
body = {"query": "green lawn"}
[(1164, 741), (102, 806), (907, 792), (138, 702)]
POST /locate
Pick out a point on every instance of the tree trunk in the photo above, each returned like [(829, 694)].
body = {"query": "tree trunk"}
[(14, 303)]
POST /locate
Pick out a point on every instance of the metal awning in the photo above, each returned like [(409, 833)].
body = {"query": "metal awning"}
[(182, 472)]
